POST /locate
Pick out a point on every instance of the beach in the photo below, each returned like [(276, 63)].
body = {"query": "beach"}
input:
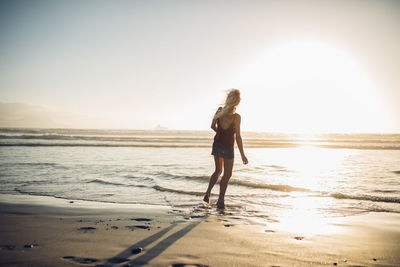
[(40, 231), (199, 133), (134, 198)]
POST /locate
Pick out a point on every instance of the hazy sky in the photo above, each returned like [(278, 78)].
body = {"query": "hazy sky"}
[(328, 66)]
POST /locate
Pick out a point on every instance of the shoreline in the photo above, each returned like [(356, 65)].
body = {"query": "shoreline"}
[(35, 233), (51, 201)]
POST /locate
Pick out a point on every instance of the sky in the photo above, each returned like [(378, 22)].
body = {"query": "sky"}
[(301, 66)]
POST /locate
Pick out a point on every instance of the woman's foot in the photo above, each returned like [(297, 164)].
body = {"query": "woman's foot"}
[(220, 204), (207, 198)]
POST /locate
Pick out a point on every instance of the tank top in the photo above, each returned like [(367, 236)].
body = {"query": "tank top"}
[(225, 137)]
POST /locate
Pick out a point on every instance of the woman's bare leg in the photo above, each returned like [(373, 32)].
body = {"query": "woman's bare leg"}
[(214, 177), (228, 165)]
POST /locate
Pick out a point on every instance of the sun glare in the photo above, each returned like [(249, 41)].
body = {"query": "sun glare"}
[(305, 219), (309, 87)]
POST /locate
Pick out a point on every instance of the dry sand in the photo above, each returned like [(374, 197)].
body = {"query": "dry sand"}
[(39, 231)]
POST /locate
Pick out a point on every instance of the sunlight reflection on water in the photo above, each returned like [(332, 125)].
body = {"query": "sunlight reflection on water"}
[(305, 218)]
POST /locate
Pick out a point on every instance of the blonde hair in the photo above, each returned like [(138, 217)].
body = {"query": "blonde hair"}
[(231, 102)]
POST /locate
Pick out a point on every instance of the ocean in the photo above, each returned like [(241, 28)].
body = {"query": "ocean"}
[(331, 175)]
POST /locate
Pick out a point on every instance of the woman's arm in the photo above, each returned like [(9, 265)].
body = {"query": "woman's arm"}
[(239, 139), (214, 124), (214, 121)]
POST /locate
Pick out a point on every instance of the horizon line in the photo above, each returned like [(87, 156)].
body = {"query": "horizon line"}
[(203, 130)]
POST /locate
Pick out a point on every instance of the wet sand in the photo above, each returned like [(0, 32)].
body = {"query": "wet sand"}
[(35, 233)]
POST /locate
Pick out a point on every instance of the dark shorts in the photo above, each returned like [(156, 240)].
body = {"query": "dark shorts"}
[(221, 151)]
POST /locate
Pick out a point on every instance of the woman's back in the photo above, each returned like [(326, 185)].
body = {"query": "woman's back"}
[(226, 130), (226, 121)]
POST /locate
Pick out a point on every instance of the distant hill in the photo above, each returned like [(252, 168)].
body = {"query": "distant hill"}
[(25, 115)]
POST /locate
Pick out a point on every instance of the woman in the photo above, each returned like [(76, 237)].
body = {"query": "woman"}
[(226, 124)]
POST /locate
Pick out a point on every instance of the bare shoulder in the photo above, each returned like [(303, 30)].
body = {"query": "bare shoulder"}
[(237, 119)]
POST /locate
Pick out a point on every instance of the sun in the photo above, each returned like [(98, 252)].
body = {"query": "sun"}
[(308, 86)]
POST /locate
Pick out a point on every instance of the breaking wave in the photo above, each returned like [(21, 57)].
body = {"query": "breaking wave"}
[(232, 181), (188, 139), (99, 181), (164, 189)]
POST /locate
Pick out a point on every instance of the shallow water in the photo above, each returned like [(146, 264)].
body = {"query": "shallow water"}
[(325, 176)]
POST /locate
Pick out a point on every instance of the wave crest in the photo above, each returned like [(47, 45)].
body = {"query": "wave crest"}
[(274, 187), (99, 181), (164, 189), (366, 197)]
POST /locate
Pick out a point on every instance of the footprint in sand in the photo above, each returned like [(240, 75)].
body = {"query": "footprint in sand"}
[(80, 260), (188, 265), (136, 250), (86, 229), (132, 227), (31, 246), (141, 219), (117, 260), (197, 216), (7, 247)]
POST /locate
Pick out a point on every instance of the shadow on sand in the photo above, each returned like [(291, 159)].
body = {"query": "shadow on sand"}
[(154, 251)]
